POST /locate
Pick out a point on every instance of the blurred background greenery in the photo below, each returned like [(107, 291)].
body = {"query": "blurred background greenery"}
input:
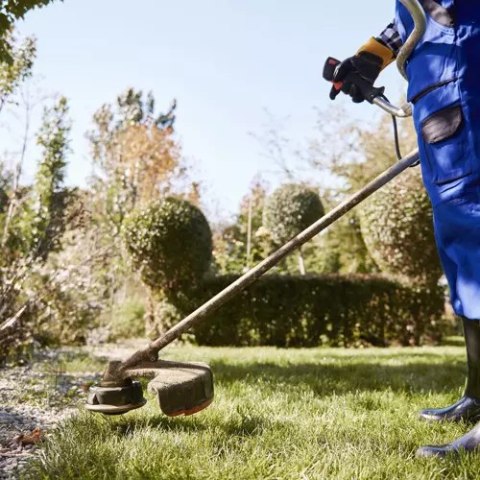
[(131, 252)]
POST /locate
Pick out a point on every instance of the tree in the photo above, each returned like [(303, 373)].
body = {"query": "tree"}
[(47, 209), (244, 242), (10, 12), (12, 194), (394, 227), (15, 72), (137, 162), (12, 271), (341, 249), (32, 226), (288, 211), (135, 154), (349, 155)]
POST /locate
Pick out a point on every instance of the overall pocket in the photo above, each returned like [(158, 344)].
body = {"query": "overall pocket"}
[(443, 134), (445, 140)]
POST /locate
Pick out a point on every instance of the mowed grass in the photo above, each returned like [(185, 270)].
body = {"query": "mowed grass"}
[(279, 414)]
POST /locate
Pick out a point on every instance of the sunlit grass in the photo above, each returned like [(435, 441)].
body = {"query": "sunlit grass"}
[(279, 414)]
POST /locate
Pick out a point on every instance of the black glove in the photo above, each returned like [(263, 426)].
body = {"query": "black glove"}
[(365, 65)]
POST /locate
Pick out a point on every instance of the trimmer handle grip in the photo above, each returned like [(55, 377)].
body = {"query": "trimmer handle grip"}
[(329, 70), (369, 92)]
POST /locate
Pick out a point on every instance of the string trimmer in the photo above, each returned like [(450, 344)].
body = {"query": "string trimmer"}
[(187, 388)]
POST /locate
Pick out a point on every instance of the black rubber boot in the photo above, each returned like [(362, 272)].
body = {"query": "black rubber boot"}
[(469, 443), (468, 407)]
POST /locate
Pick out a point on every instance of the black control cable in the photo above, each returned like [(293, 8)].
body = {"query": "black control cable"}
[(396, 136)]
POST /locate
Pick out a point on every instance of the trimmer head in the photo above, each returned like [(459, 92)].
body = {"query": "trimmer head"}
[(111, 399), (182, 389)]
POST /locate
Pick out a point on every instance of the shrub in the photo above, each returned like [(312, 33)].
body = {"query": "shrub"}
[(341, 249), (170, 243), (397, 227), (65, 307), (311, 310), (291, 209), (127, 320), (164, 316)]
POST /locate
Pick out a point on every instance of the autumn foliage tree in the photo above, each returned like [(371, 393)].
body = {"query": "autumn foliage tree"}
[(137, 162), (135, 155)]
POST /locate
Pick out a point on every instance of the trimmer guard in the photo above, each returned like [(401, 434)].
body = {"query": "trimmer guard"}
[(183, 388)]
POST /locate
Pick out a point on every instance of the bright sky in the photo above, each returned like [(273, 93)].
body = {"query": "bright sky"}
[(226, 61)]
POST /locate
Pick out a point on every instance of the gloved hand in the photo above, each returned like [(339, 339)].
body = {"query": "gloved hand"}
[(368, 62)]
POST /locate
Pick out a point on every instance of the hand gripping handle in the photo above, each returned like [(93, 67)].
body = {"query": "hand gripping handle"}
[(373, 94), (368, 91)]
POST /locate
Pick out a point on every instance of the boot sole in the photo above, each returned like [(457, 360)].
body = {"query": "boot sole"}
[(472, 419)]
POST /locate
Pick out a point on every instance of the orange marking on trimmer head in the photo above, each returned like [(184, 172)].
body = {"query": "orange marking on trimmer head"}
[(193, 410)]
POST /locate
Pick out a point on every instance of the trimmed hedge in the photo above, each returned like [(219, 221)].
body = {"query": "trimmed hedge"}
[(170, 243), (289, 210), (397, 227), (313, 310)]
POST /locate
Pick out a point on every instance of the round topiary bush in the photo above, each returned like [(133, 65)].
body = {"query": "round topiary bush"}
[(170, 242), (397, 227), (289, 210)]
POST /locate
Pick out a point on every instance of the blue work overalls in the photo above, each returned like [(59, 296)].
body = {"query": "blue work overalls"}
[(444, 88)]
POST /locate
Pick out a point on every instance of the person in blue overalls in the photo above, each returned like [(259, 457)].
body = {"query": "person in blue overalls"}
[(444, 89)]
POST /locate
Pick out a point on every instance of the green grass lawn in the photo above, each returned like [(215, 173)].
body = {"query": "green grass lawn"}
[(279, 414)]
